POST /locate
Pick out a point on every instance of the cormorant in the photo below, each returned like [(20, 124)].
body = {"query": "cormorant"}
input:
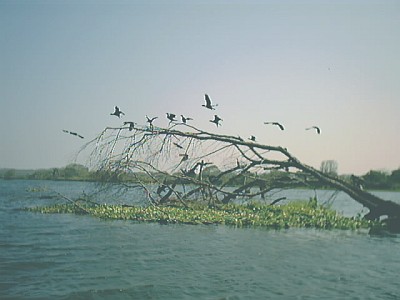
[(131, 125), (171, 117), (73, 133), (216, 120), (117, 112), (208, 103), (277, 124), (150, 121), (184, 119), (316, 128)]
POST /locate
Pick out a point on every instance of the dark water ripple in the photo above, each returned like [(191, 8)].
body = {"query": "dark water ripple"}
[(80, 257)]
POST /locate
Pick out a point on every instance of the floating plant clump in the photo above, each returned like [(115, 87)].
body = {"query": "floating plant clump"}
[(297, 214)]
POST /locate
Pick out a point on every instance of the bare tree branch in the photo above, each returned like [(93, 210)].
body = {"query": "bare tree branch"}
[(184, 164)]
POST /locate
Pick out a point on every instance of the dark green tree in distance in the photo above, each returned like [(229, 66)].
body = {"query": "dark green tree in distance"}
[(9, 174), (377, 180), (395, 179)]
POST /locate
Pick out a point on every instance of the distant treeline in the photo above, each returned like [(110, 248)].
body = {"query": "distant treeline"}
[(70, 172), (374, 180), (380, 180)]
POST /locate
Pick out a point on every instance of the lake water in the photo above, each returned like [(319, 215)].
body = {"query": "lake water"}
[(64, 256)]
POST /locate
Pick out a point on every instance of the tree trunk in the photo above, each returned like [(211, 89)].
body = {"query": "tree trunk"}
[(153, 150)]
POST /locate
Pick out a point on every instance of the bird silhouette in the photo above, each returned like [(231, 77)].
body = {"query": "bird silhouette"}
[(171, 117), (76, 134), (117, 112), (131, 125), (277, 124), (216, 120), (150, 120), (184, 119), (252, 138), (73, 133), (317, 129), (208, 103)]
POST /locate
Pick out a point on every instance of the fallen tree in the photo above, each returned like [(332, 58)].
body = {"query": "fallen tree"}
[(194, 165)]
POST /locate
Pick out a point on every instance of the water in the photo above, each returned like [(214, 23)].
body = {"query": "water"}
[(65, 256)]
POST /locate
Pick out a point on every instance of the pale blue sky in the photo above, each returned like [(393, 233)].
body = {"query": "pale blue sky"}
[(335, 64)]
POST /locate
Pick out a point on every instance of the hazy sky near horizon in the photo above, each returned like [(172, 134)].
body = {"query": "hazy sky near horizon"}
[(335, 64)]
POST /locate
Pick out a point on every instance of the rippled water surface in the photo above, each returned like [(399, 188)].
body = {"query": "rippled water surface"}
[(80, 257)]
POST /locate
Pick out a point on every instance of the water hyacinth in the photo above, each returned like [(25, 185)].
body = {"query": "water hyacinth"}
[(296, 214)]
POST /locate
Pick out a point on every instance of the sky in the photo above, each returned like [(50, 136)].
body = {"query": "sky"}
[(334, 64)]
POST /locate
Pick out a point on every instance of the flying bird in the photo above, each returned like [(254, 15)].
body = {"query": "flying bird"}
[(76, 134), (117, 112), (131, 125), (208, 103), (73, 133), (318, 130), (184, 119), (171, 117), (277, 124), (216, 120)]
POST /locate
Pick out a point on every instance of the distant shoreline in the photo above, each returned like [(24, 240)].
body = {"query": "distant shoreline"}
[(372, 181)]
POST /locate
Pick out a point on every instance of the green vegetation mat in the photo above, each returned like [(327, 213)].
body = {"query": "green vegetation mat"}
[(300, 214)]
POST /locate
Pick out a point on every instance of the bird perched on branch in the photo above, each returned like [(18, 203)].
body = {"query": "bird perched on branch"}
[(216, 120), (184, 119), (317, 129), (208, 103), (117, 112), (73, 133), (276, 124), (131, 125), (171, 117), (252, 138), (150, 121)]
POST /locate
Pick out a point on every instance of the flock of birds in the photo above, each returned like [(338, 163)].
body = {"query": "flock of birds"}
[(172, 118)]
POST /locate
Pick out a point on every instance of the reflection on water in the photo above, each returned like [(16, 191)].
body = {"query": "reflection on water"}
[(81, 257)]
